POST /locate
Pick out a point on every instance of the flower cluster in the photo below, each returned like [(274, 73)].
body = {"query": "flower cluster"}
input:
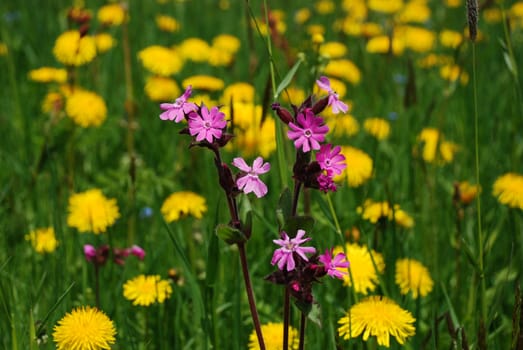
[(100, 255)]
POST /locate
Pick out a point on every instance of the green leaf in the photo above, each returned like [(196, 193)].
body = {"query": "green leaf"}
[(285, 203), (288, 77), (294, 223), (230, 234), (315, 314), (303, 306)]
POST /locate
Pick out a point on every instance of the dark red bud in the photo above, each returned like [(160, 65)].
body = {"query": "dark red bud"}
[(320, 105), (284, 115)]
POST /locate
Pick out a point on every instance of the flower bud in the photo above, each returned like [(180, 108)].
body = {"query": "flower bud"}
[(282, 113), (319, 106), (89, 252), (137, 251)]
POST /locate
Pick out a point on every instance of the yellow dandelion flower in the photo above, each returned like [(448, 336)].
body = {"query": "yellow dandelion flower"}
[(343, 125), (111, 15), (159, 89), (324, 7), (434, 147), (452, 3), (226, 42), (48, 75), (365, 266), (359, 166), (160, 60), (146, 290), (467, 192), (317, 39), (219, 58), (381, 44), (450, 38), (370, 29), (433, 59), (204, 82), (72, 49), (53, 103), (203, 99), (86, 108), (273, 337), (293, 95), (302, 15), (379, 317), (313, 29), (453, 72), (43, 240), (377, 127), (333, 49), (508, 188), (104, 42), (375, 211), (182, 204), (194, 49), (385, 6), (91, 211), (412, 276), (238, 92), (413, 12), (492, 15), (416, 38), (3, 49), (344, 69), (167, 23), (84, 328)]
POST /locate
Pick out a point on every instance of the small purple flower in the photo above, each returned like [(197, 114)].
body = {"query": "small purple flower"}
[(331, 160), (332, 265), (334, 100), (326, 183), (207, 125), (250, 182), (308, 132), (284, 256), (137, 251), (176, 111), (89, 252)]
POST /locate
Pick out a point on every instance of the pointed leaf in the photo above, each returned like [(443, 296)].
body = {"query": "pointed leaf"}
[(230, 234), (288, 77)]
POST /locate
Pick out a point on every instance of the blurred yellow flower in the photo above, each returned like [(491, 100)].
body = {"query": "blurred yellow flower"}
[(433, 59), (3, 49), (313, 29), (104, 42), (385, 6), (417, 39), (111, 14), (204, 82), (160, 60), (333, 49), (508, 188), (219, 58), (359, 166), (159, 89), (86, 108), (343, 125), (434, 147), (450, 38), (376, 211), (145, 290), (72, 49), (194, 49), (412, 276), (302, 15), (377, 127), (53, 103), (317, 39), (91, 211), (48, 75), (273, 337), (324, 7), (43, 240), (181, 204), (452, 3), (381, 44), (453, 72), (167, 23), (203, 99), (344, 69), (414, 12), (467, 192), (238, 92), (492, 15), (293, 95), (226, 42)]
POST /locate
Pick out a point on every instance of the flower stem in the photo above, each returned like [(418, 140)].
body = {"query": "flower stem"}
[(333, 213), (97, 284), (303, 323), (286, 318)]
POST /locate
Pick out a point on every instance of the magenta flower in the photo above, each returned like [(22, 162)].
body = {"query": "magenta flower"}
[(284, 256), (89, 252), (308, 132), (334, 100), (326, 183), (207, 125), (331, 161), (137, 251), (333, 265), (176, 111), (250, 181)]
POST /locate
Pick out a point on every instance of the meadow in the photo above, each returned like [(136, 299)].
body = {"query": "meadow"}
[(259, 174)]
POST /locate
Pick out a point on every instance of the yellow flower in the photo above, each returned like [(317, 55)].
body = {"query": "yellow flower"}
[(333, 49), (146, 290), (324, 7), (317, 39), (343, 125), (492, 15), (293, 95), (111, 15), (508, 188), (375, 211), (450, 38), (359, 166), (452, 3), (302, 15), (104, 42), (453, 72), (344, 69), (194, 49), (161, 89), (85, 328), (467, 192), (91, 211), (417, 12), (53, 103), (48, 75), (313, 29), (432, 60), (379, 317), (273, 337), (205, 99), (385, 6), (381, 44), (219, 58), (43, 240), (435, 148), (412, 276), (160, 60), (238, 92), (416, 38), (3, 49), (86, 108), (365, 265), (72, 49), (204, 82), (167, 23), (377, 127), (226, 42), (182, 204)]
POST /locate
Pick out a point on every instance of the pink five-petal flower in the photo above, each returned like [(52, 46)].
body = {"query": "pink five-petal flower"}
[(89, 252), (333, 265), (207, 125), (308, 132), (250, 181), (334, 100), (331, 160), (179, 109), (284, 256)]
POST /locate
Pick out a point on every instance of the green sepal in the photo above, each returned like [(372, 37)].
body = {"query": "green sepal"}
[(230, 234)]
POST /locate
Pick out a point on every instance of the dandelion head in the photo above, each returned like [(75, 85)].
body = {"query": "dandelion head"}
[(145, 290), (111, 14), (359, 166), (204, 82), (194, 49), (91, 211), (86, 108), (48, 75), (226, 42), (377, 127), (159, 88), (43, 240), (508, 188), (167, 23), (273, 337), (160, 60), (73, 49), (104, 42), (182, 204), (414, 277)]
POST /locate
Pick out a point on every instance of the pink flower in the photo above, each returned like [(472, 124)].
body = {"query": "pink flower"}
[(207, 125), (250, 182), (89, 252), (284, 256), (334, 100), (333, 265), (331, 161), (137, 251), (308, 132), (176, 111), (326, 183)]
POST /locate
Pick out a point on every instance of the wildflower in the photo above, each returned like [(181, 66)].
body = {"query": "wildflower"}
[(334, 101), (86, 108), (450, 38), (91, 211), (89, 252), (48, 75), (204, 82), (238, 92), (377, 127), (466, 192), (84, 328), (179, 109), (167, 23), (219, 58), (333, 49), (453, 72), (194, 49), (412, 276), (207, 125), (365, 265), (308, 132), (508, 188), (284, 256), (381, 44), (376, 211), (343, 69), (414, 12), (104, 42), (3, 49), (159, 88), (43, 240), (145, 290), (360, 165), (343, 125), (226, 42), (302, 15), (379, 317), (160, 60), (111, 15), (435, 148), (416, 38), (273, 337), (249, 180), (182, 204), (331, 160), (334, 266), (385, 6), (73, 49), (137, 251)]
